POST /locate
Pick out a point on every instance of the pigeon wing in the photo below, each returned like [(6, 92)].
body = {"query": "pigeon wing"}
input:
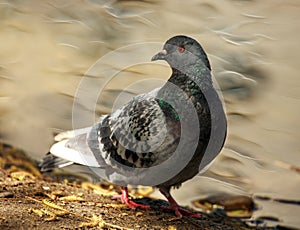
[(132, 135)]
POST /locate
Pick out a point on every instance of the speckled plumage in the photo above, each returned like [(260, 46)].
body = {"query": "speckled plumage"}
[(147, 131), (129, 137)]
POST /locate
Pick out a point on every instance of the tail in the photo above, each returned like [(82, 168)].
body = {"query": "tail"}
[(51, 162), (63, 169), (72, 146), (70, 155)]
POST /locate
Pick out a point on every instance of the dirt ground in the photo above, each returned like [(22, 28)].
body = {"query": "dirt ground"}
[(30, 201)]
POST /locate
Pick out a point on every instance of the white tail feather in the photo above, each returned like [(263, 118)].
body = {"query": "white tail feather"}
[(60, 149)]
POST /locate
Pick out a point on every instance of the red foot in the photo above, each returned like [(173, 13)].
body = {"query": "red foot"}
[(126, 200), (179, 211)]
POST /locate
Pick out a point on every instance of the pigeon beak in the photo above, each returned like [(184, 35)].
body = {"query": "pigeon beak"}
[(160, 56)]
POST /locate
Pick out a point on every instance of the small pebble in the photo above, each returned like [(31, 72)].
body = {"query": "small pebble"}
[(46, 188), (139, 214)]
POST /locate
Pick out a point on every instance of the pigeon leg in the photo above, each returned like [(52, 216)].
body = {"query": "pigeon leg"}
[(179, 211), (126, 200)]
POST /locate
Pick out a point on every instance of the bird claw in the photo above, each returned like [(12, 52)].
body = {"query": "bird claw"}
[(131, 204), (126, 200), (179, 211)]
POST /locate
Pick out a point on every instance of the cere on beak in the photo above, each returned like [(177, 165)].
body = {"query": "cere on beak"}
[(160, 56)]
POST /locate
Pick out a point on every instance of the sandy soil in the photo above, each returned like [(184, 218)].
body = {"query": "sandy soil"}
[(30, 201)]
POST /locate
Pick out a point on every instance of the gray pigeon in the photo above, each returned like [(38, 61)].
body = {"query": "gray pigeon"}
[(162, 138)]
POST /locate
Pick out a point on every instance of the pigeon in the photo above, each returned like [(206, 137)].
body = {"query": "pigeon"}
[(161, 138)]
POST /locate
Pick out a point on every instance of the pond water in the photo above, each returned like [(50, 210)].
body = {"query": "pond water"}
[(253, 46)]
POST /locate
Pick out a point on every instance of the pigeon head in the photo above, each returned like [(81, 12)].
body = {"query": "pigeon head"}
[(181, 52)]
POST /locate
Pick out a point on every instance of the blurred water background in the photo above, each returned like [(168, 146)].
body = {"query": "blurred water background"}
[(47, 46)]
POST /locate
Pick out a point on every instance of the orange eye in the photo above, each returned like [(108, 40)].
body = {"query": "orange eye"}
[(180, 49)]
